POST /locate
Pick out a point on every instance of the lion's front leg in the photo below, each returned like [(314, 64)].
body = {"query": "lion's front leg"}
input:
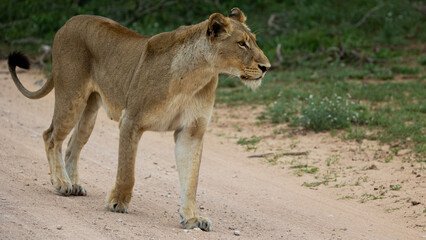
[(189, 144), (120, 195)]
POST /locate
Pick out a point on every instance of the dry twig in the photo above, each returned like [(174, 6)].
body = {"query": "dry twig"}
[(278, 154), (279, 56), (26, 40), (368, 14)]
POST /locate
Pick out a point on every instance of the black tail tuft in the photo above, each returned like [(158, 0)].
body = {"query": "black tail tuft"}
[(18, 59)]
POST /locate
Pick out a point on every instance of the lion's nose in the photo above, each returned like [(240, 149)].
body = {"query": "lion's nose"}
[(264, 68)]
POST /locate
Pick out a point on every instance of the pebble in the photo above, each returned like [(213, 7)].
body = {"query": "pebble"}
[(186, 230), (201, 207), (59, 227), (237, 233), (119, 220), (232, 227)]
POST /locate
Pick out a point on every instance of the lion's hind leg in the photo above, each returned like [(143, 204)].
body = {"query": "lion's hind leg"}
[(68, 110), (77, 141)]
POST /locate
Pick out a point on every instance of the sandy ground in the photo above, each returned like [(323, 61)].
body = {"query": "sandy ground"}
[(251, 195)]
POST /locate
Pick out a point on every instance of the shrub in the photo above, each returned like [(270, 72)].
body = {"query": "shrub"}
[(330, 113), (283, 111)]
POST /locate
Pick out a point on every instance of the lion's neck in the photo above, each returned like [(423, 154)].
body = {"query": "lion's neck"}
[(195, 54)]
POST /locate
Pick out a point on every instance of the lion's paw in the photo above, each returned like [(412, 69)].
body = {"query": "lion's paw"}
[(78, 190), (63, 186), (118, 202), (197, 222)]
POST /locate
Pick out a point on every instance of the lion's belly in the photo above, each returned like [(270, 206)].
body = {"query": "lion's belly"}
[(180, 112), (112, 107)]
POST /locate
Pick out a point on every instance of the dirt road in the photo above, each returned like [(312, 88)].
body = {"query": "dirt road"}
[(235, 192)]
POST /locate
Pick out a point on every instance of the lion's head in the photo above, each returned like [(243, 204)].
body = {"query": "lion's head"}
[(238, 53)]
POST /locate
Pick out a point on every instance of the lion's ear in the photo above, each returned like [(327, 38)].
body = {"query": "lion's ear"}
[(238, 15), (218, 26)]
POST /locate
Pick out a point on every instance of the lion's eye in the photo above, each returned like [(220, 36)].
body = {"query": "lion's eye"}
[(242, 44)]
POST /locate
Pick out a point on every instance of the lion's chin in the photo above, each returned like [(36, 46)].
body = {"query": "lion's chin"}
[(253, 84)]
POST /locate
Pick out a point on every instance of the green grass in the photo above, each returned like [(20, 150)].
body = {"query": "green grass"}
[(367, 196), (332, 160), (313, 184), (330, 98), (346, 197), (396, 187), (304, 168), (422, 60), (405, 70), (250, 143)]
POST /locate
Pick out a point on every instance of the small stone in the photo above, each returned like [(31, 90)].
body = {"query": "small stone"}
[(201, 207), (197, 229), (186, 230), (119, 220), (414, 203), (232, 227), (169, 196), (237, 233), (59, 227), (38, 83)]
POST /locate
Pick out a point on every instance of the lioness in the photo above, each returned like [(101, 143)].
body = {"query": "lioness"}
[(165, 82)]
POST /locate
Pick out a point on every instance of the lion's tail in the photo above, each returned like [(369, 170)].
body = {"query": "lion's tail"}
[(20, 60)]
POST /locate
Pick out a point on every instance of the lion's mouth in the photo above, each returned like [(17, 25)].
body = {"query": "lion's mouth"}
[(245, 78)]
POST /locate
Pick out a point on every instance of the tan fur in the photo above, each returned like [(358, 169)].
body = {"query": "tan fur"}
[(165, 82)]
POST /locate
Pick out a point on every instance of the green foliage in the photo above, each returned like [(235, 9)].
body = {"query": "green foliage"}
[(330, 113), (389, 111), (304, 168), (299, 26), (405, 70), (422, 60), (396, 187), (250, 143), (245, 141), (283, 111)]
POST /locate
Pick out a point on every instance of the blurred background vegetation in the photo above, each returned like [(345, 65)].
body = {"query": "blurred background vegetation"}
[(355, 65)]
